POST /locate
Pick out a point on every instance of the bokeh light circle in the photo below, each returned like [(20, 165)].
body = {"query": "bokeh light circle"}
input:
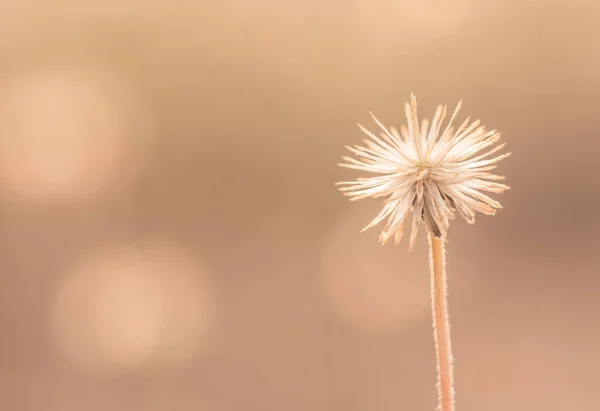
[(69, 132), (133, 305)]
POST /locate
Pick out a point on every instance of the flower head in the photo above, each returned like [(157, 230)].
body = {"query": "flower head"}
[(429, 169)]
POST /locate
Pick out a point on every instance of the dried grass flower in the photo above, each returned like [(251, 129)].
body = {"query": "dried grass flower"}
[(434, 172), (429, 169)]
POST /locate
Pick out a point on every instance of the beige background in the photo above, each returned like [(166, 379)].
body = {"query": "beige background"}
[(171, 239)]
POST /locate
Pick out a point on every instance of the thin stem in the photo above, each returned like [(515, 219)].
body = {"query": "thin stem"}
[(441, 324)]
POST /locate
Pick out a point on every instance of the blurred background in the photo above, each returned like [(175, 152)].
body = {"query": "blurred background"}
[(171, 238)]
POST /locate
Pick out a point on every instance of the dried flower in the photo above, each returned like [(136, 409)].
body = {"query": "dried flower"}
[(432, 171)]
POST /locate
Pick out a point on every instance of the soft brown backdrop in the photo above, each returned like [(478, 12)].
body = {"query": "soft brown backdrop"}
[(171, 239)]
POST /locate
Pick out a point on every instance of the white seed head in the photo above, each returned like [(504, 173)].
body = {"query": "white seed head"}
[(430, 170)]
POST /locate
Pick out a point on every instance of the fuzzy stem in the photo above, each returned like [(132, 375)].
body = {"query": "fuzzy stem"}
[(441, 324)]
